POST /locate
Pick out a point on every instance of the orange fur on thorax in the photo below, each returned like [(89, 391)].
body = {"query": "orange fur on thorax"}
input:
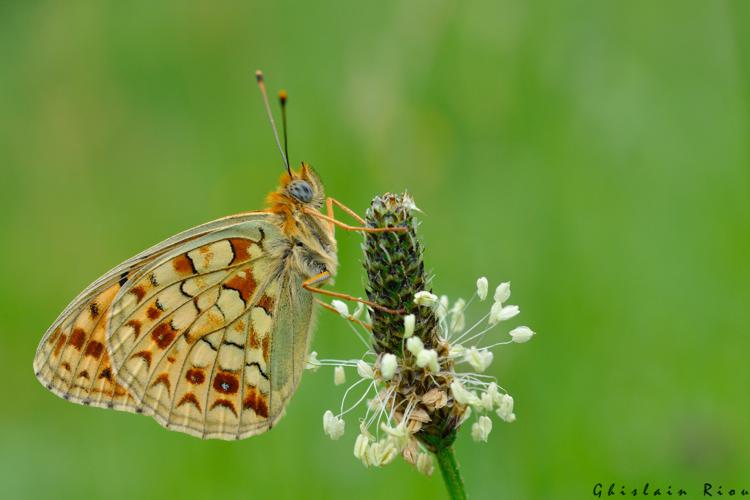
[(278, 202)]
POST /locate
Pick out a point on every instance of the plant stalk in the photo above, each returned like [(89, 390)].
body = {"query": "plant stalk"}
[(454, 483)]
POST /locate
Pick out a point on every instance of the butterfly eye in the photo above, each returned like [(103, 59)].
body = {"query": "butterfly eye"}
[(301, 190)]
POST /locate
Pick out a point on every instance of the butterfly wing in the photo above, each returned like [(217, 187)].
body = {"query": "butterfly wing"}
[(208, 335), (225, 363), (72, 359)]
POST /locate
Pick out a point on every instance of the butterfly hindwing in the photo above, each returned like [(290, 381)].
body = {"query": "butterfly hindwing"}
[(203, 333), (72, 359), (292, 335)]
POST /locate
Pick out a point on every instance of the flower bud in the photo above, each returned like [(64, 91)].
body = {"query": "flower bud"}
[(480, 430), (333, 425), (458, 319), (365, 370), (461, 395), (409, 323), (414, 345), (500, 313), (502, 292), (442, 308), (428, 358), (388, 365), (482, 286), (339, 376), (361, 445), (521, 334), (341, 308), (425, 298), (505, 408), (479, 359)]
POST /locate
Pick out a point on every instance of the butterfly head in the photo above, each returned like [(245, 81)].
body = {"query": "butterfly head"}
[(297, 190), (304, 186)]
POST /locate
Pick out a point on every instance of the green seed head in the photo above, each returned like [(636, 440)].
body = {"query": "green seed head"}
[(395, 272)]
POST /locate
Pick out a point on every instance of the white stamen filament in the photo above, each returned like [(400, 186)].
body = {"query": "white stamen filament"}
[(467, 332), (346, 393)]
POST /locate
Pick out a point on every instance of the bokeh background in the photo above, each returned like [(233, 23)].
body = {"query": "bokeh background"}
[(593, 153)]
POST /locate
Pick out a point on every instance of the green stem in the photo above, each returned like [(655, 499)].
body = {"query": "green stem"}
[(451, 475)]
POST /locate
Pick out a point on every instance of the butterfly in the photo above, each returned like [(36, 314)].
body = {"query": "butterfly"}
[(207, 331)]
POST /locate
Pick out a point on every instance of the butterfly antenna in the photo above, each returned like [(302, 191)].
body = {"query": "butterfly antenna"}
[(262, 86), (282, 99)]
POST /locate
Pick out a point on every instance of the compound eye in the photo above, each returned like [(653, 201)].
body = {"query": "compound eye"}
[(301, 190)]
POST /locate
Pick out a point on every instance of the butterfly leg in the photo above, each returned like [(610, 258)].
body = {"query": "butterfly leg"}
[(309, 285), (332, 221), (349, 317), (333, 201), (329, 213)]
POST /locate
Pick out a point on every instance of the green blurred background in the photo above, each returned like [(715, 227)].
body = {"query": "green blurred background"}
[(593, 153)]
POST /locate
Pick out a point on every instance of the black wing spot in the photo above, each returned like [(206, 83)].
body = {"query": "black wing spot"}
[(257, 365), (262, 237), (209, 343), (219, 307), (123, 278)]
